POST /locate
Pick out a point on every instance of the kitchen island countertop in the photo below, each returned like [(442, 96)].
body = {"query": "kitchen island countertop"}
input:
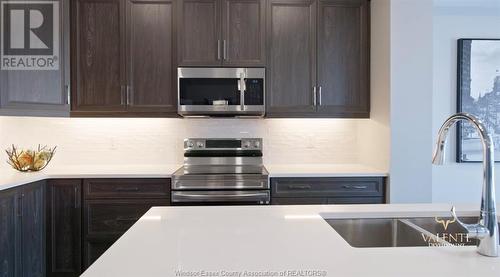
[(274, 240)]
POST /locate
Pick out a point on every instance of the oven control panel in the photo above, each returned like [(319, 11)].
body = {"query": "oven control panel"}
[(222, 144)]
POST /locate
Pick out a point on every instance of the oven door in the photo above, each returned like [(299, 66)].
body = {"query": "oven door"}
[(221, 91), (222, 197)]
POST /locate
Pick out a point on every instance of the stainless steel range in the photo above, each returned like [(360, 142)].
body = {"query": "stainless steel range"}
[(221, 172)]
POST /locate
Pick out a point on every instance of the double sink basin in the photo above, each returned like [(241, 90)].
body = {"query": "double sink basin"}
[(403, 232)]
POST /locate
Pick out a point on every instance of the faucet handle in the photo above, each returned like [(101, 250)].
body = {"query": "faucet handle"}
[(473, 230)]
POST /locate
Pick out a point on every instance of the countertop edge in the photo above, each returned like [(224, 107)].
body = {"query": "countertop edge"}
[(19, 179)]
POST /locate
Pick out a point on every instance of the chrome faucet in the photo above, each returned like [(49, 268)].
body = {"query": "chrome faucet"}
[(486, 230)]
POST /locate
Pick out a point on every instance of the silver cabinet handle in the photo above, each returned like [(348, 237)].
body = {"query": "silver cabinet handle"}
[(127, 219), (299, 187), (218, 49), (123, 92), (77, 199), (224, 52), (20, 205), (129, 99), (320, 95), (314, 96), (68, 94), (354, 187), (126, 189)]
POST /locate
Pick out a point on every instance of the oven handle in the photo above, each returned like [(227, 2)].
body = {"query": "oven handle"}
[(200, 196)]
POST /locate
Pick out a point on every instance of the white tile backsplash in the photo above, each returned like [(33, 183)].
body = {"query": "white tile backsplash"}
[(159, 140)]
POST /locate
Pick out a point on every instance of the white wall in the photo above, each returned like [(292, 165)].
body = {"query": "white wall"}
[(374, 134), (410, 100), (453, 182), (159, 141)]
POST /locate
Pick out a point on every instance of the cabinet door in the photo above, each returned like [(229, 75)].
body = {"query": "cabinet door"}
[(40, 92), (243, 32), (199, 33), (151, 56), (94, 249), (98, 59), (33, 230), (9, 234), (64, 221), (292, 52), (343, 58)]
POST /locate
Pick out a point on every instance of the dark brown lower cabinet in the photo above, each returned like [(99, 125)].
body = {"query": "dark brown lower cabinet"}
[(22, 231), (112, 206), (9, 233), (308, 191), (64, 228), (45, 232)]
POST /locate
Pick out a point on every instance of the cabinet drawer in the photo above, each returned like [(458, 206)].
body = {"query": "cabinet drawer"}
[(356, 200), (325, 201), (327, 187), (127, 188), (112, 218), (299, 201)]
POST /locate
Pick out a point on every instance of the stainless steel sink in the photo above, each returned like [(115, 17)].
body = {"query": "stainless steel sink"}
[(402, 232), (377, 232)]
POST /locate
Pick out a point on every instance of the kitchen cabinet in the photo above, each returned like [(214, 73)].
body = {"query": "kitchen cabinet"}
[(318, 58), (151, 63), (123, 53), (33, 230), (64, 227), (9, 234), (292, 58), (221, 33), (22, 231), (112, 206), (345, 190), (343, 58), (40, 92), (45, 232), (199, 33), (98, 66)]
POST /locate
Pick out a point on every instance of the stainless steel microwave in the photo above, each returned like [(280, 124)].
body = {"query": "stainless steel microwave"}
[(221, 91)]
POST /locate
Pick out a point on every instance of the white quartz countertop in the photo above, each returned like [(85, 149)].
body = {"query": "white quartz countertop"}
[(10, 178), (275, 239)]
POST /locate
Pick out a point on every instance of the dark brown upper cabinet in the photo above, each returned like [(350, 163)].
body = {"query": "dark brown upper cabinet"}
[(98, 55), (40, 92), (199, 33), (318, 58), (221, 33), (292, 58), (151, 63), (343, 84), (123, 52)]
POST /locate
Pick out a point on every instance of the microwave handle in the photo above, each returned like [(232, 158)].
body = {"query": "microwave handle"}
[(242, 87)]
